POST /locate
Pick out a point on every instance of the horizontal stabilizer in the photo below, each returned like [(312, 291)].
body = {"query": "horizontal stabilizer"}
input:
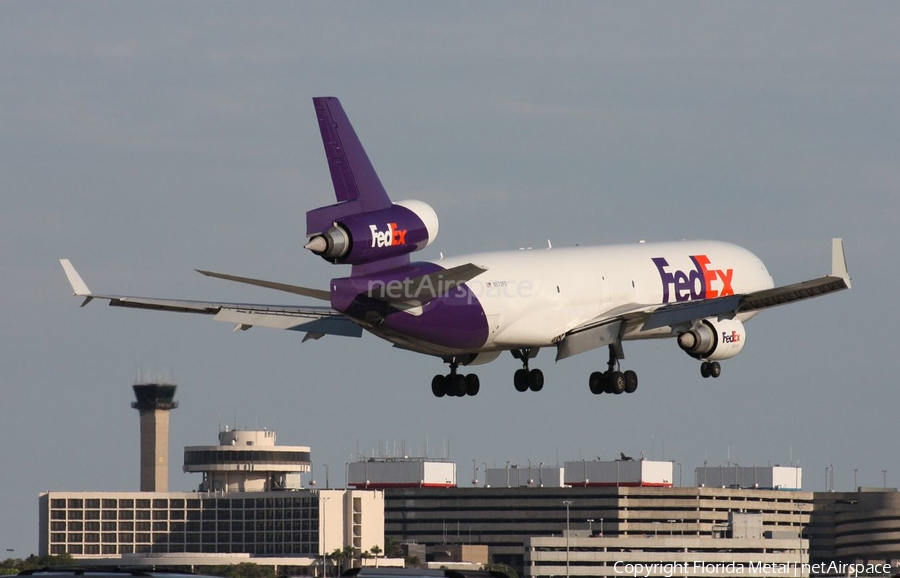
[(305, 291)]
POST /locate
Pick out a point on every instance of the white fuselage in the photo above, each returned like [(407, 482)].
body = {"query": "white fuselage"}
[(533, 297)]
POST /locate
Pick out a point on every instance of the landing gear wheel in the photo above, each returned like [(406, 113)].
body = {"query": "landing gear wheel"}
[(631, 381), (473, 384), (715, 370), (596, 383), (457, 386), (535, 380), (617, 382), (520, 379), (704, 369), (439, 386)]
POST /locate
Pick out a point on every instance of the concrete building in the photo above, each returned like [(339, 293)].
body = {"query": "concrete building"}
[(250, 505), (504, 518), (664, 555), (247, 461), (380, 473), (303, 524), (856, 527), (762, 477), (623, 472), (154, 402), (524, 476)]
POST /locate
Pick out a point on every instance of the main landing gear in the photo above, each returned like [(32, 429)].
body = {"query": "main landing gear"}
[(710, 369), (612, 380), (455, 384), (525, 379)]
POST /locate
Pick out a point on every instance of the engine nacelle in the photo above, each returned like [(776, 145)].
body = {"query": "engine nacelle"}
[(714, 339), (403, 228)]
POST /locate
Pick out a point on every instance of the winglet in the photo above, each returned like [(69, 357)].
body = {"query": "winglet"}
[(79, 287), (839, 261)]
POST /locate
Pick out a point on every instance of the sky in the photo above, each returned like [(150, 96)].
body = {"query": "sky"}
[(144, 140)]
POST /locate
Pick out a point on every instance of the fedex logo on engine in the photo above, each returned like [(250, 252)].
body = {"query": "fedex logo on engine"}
[(393, 236), (702, 282), (733, 337)]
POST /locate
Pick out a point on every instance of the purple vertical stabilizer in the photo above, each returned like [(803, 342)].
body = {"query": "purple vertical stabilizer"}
[(364, 228), (356, 185)]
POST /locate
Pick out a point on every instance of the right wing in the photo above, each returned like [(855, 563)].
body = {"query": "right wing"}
[(314, 321), (687, 312), (609, 328)]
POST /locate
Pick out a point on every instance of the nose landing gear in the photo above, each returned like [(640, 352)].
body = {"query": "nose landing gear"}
[(710, 369)]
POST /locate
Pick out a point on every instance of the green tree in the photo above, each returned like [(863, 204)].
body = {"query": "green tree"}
[(412, 562), (501, 568), (393, 548), (16, 565), (242, 570), (376, 552)]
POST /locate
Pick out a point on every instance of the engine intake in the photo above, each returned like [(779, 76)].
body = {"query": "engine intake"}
[(403, 228), (714, 339)]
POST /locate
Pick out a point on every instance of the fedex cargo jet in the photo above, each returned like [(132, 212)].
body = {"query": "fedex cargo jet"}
[(469, 310)]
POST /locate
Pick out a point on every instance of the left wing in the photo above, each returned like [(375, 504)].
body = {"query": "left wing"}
[(609, 328), (315, 321)]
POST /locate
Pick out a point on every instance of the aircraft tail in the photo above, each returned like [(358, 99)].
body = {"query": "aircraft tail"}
[(364, 228)]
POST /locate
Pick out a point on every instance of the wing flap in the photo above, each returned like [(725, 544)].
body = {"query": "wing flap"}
[(287, 288), (292, 320), (690, 311), (588, 339)]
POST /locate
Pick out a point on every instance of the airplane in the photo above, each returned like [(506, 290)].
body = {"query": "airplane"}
[(470, 309)]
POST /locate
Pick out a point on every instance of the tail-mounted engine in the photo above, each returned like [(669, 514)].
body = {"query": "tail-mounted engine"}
[(714, 339), (405, 227)]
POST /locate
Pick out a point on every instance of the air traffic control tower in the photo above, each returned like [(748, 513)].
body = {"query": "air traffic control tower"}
[(154, 402)]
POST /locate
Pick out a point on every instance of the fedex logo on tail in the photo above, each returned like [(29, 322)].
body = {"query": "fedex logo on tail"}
[(702, 282), (390, 238)]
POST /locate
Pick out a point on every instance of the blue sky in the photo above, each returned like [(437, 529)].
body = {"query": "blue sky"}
[(143, 140)]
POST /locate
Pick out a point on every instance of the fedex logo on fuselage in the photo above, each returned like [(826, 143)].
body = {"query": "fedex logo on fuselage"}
[(393, 236), (702, 282)]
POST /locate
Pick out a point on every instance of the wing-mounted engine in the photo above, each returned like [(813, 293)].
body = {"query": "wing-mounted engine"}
[(714, 339), (360, 238)]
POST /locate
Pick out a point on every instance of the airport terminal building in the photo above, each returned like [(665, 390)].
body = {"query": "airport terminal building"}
[(585, 518)]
